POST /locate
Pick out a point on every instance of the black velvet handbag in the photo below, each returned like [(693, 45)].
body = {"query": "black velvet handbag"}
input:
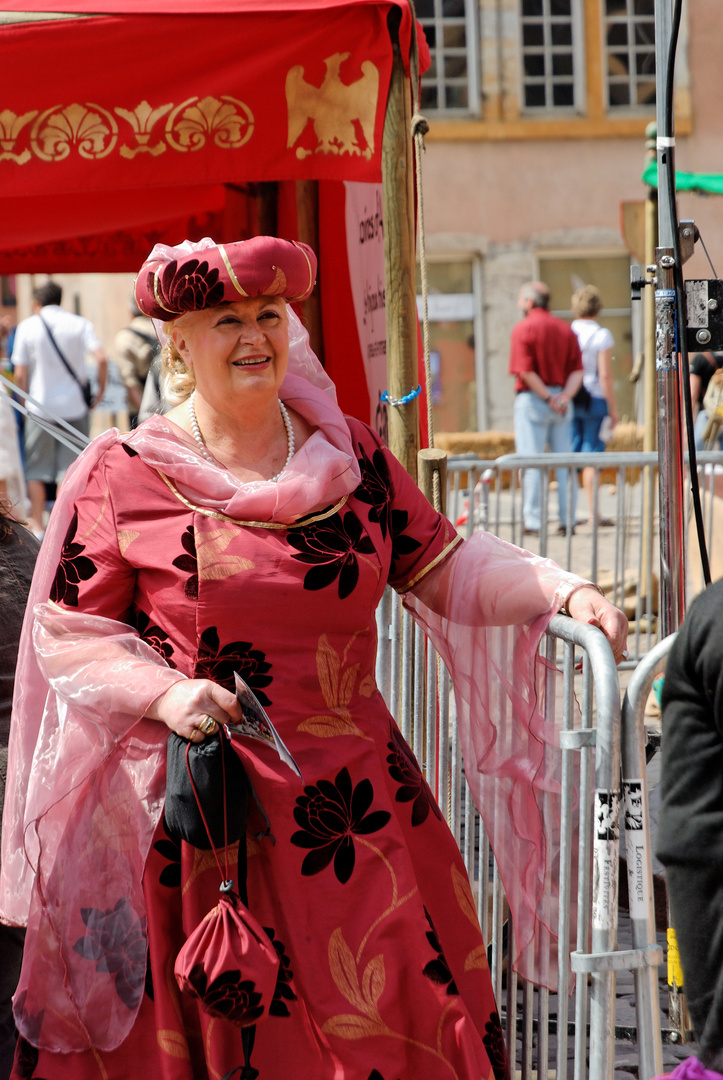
[(221, 788)]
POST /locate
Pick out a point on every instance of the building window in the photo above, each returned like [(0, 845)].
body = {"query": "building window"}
[(551, 56), (454, 305), (452, 83), (630, 53)]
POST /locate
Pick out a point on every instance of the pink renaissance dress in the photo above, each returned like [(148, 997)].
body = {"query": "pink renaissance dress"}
[(159, 567)]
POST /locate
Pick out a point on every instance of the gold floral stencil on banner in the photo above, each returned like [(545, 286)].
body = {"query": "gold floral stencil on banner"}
[(90, 131)]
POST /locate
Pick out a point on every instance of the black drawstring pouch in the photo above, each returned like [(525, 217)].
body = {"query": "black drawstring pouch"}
[(222, 789)]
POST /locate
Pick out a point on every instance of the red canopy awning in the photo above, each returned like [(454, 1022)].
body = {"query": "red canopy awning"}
[(146, 117)]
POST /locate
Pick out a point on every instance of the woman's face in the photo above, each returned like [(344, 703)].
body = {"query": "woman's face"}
[(235, 349)]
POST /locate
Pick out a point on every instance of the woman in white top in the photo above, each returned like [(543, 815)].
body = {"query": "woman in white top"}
[(596, 345)]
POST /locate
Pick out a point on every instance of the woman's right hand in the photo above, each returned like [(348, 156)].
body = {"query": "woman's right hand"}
[(187, 704)]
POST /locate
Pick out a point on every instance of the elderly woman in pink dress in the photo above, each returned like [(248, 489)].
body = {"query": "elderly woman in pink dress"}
[(252, 530)]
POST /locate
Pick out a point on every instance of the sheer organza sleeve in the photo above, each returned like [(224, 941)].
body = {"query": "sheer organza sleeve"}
[(485, 607), (74, 826)]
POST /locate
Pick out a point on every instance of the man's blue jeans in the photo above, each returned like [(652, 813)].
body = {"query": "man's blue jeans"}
[(536, 427)]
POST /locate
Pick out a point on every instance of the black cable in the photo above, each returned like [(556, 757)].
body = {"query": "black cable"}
[(680, 296)]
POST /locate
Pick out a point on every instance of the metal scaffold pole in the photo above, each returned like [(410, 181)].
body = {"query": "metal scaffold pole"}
[(670, 452), (668, 333)]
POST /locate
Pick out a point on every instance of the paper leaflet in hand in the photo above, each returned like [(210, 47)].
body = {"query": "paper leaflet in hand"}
[(256, 724)]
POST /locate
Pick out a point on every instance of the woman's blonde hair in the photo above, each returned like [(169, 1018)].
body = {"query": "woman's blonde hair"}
[(178, 381), (586, 302)]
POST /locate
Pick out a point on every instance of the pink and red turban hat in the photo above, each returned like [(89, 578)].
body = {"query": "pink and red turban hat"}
[(192, 276)]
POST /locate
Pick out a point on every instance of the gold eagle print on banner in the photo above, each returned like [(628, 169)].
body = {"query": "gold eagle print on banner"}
[(338, 112)]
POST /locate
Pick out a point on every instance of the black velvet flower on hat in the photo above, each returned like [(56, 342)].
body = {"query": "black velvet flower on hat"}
[(190, 286)]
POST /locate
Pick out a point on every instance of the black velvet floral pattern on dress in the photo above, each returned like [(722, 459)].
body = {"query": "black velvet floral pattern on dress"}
[(148, 984), (187, 287), (330, 815), (170, 876), (403, 768), (332, 547), (494, 1041), (115, 939), (26, 1054), (376, 488), (228, 996), (26, 1059), (282, 990), (401, 543), (189, 562), (158, 639), (438, 969), (219, 664), (73, 568)]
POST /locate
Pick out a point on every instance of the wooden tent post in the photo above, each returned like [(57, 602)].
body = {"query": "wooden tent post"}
[(307, 213), (399, 263)]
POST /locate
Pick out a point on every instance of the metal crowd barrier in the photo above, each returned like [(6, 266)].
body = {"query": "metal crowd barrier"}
[(571, 1031), (488, 495), (642, 916)]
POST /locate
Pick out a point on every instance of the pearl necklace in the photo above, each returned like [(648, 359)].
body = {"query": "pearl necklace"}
[(196, 431)]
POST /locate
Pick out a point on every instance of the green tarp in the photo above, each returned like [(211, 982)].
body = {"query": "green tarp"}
[(711, 183)]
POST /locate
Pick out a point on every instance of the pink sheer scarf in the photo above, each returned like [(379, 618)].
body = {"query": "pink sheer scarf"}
[(485, 610)]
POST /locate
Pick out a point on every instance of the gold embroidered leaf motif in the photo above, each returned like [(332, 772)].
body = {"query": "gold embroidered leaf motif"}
[(328, 665), (326, 727), (367, 686), (343, 971), (213, 565), (476, 959), (464, 895), (173, 1043), (337, 684), (374, 980), (126, 538), (346, 685), (353, 1027)]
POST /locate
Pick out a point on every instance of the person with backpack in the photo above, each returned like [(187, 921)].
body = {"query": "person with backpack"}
[(134, 350), (596, 398)]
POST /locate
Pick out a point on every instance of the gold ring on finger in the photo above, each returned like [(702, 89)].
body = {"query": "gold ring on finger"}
[(208, 725)]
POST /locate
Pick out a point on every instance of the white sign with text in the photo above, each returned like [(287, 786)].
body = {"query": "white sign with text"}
[(365, 245)]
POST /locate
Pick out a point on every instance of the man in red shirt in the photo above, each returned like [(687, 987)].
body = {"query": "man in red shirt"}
[(546, 361)]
